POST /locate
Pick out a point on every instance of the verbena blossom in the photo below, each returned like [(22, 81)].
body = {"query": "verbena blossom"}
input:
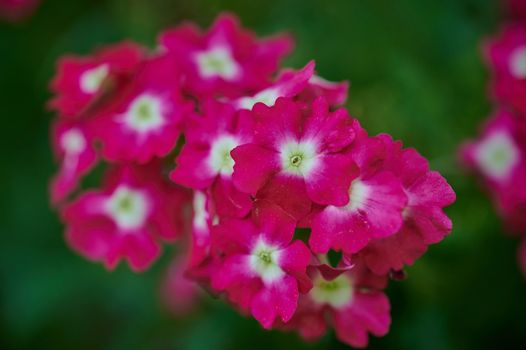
[(278, 178), (498, 154), (17, 10)]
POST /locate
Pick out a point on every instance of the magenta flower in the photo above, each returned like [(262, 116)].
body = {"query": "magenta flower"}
[(227, 60), (506, 55), (424, 221), (373, 208), (353, 303), (73, 148), (270, 162), (126, 219), (145, 119), (261, 270), (80, 80), (499, 156), (300, 149), (205, 162)]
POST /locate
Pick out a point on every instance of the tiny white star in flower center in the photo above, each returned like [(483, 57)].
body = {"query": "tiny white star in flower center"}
[(336, 293), (267, 97), (73, 141), (128, 208), (298, 158), (92, 79), (220, 160), (264, 261), (518, 62), (358, 194), (497, 155), (217, 62), (145, 114)]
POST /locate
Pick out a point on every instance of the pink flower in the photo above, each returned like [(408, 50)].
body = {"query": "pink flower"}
[(500, 152), (289, 84), (205, 161), (261, 270), (73, 148), (179, 294), (352, 303), (424, 223), (298, 151), (126, 218), (81, 80), (17, 10), (506, 55), (374, 206), (145, 119), (227, 60)]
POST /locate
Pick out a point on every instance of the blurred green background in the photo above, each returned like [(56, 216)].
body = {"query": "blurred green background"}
[(416, 73)]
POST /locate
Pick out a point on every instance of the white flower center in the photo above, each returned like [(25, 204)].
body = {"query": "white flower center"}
[(200, 212), (358, 194), (267, 96), (73, 141), (92, 79), (298, 158), (518, 62), (220, 159), (128, 208), (497, 155), (264, 261), (217, 62), (145, 114), (336, 293)]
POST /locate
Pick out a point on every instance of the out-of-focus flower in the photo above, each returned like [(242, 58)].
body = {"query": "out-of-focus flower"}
[(17, 10)]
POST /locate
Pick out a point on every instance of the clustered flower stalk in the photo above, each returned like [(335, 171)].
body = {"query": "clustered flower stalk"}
[(498, 155), (293, 212)]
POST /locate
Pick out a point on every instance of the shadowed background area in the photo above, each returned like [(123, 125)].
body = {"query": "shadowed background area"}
[(416, 72)]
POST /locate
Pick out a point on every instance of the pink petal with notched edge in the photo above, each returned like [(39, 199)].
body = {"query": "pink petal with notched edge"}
[(253, 167), (294, 260), (277, 300), (368, 313), (329, 181), (229, 201), (192, 169)]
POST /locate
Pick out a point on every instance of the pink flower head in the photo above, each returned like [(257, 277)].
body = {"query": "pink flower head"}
[(145, 119), (262, 271), (334, 92), (126, 218), (72, 142), (507, 57), (289, 84), (179, 294), (499, 154), (81, 80), (205, 161), (374, 206), (352, 303), (227, 60), (297, 150), (17, 10), (425, 222)]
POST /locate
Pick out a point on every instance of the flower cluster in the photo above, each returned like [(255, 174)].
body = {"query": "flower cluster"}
[(291, 210), (498, 155)]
